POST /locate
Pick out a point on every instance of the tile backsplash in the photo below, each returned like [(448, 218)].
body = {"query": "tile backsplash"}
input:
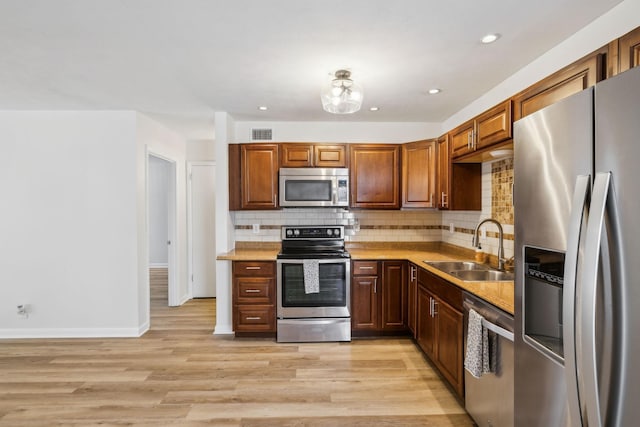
[(400, 226)]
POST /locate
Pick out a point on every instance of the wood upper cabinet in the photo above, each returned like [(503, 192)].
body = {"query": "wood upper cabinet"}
[(419, 174), (489, 128), (294, 155), (629, 50), (375, 176), (443, 181), (572, 79), (253, 176), (379, 296)]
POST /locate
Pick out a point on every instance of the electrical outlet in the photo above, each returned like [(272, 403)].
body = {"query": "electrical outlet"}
[(256, 228), (23, 311), (451, 228)]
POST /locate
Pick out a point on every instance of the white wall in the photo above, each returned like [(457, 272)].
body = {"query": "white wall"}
[(158, 211), (202, 150), (73, 222), (68, 224), (373, 132), (613, 24)]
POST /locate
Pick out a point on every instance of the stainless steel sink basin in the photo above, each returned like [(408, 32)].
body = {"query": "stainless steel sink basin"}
[(482, 275), (449, 266)]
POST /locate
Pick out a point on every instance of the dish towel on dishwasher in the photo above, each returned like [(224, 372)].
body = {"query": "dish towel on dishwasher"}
[(311, 270), (476, 360)]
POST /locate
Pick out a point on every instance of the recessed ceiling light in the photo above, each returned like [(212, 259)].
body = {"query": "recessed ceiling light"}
[(434, 91), (374, 109), (262, 108), (490, 38)]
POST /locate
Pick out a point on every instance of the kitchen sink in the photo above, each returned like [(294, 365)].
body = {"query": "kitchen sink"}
[(449, 266), (482, 275), (470, 271)]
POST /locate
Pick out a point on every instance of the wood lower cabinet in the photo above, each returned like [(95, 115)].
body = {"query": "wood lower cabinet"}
[(412, 299), (253, 176), (379, 296), (419, 160), (440, 326), (254, 289), (375, 176)]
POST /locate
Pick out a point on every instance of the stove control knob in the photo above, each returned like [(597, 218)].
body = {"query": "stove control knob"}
[(329, 232), (289, 232), (296, 232), (336, 232)]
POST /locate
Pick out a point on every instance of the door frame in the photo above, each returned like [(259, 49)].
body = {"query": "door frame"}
[(172, 202), (190, 165)]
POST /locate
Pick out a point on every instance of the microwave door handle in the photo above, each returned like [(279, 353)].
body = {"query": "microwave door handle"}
[(576, 219)]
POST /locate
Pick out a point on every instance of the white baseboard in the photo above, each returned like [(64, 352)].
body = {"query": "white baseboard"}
[(158, 265), (144, 328), (223, 330), (72, 333)]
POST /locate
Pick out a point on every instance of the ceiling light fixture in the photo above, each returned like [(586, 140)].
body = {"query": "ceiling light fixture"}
[(374, 109), (490, 38), (434, 91), (262, 108), (341, 95)]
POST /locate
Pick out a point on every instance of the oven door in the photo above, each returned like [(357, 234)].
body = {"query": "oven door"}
[(333, 298)]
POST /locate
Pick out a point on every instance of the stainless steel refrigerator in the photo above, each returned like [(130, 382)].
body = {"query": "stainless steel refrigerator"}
[(577, 236)]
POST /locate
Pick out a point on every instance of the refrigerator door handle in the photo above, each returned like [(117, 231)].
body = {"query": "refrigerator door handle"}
[(570, 289), (590, 279)]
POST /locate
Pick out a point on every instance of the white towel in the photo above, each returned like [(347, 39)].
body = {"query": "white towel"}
[(311, 271), (476, 359)]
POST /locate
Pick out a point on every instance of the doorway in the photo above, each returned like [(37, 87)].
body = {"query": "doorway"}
[(161, 183), (202, 250)]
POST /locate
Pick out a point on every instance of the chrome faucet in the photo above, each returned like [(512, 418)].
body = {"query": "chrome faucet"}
[(476, 241)]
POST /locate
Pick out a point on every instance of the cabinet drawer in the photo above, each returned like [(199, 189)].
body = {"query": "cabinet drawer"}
[(253, 268), (444, 290), (253, 290), (368, 268), (255, 318)]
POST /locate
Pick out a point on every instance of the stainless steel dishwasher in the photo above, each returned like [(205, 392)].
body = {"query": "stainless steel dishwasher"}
[(489, 399)]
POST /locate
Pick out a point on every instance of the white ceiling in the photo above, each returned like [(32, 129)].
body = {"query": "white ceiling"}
[(180, 61)]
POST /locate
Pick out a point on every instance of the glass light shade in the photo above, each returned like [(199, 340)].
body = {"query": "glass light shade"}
[(341, 95)]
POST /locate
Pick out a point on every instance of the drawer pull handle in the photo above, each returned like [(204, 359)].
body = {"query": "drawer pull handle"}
[(253, 318), (366, 268), (252, 268), (252, 291)]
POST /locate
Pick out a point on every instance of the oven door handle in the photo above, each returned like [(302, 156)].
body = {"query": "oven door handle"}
[(498, 330)]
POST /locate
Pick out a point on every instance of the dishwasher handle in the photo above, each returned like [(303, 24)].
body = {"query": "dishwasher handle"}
[(498, 330)]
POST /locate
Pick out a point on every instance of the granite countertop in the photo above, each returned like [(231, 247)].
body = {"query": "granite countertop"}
[(500, 294)]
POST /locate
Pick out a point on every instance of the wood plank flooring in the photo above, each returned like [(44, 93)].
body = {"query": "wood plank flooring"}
[(179, 374)]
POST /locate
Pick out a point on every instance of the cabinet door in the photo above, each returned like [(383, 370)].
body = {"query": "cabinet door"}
[(330, 156), (375, 176), (426, 323), (629, 50), (259, 176), (412, 299), (419, 174), (572, 79), (462, 139), (364, 307), (450, 341), (296, 155), (494, 126), (444, 173), (394, 295)]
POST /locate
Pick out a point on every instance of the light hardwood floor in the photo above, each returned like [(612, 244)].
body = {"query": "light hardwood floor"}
[(178, 373)]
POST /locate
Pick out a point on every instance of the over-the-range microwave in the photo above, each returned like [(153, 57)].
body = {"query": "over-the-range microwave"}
[(314, 187)]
